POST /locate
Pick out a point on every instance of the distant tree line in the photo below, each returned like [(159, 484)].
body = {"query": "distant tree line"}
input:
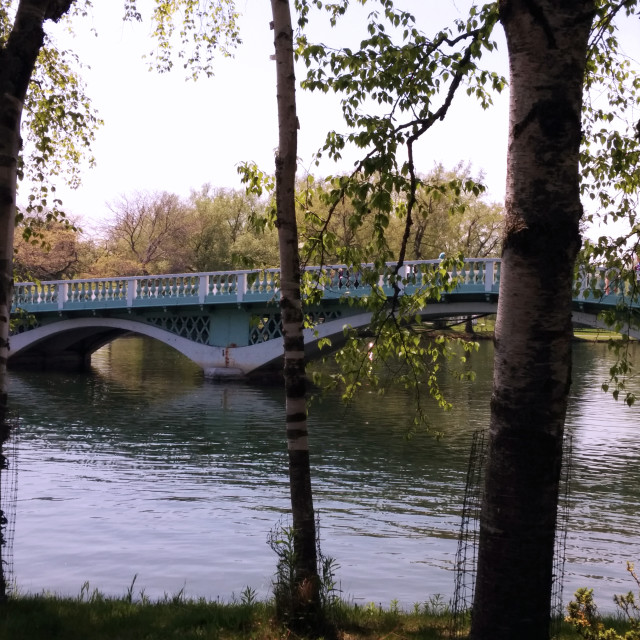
[(219, 229)]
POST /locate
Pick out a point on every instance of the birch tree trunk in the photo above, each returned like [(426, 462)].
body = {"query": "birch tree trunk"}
[(547, 42), (306, 601)]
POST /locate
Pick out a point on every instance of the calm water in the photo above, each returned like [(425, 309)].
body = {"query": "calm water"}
[(140, 467)]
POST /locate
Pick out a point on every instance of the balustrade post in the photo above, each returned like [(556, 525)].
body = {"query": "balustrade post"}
[(131, 292), (62, 292), (202, 289), (404, 273), (583, 279), (241, 286), (489, 274)]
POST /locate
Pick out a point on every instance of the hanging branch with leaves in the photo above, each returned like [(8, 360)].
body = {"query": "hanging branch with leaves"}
[(395, 87)]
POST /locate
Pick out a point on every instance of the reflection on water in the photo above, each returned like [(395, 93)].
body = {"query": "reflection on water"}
[(141, 467)]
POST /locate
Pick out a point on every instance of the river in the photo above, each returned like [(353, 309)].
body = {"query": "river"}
[(140, 467)]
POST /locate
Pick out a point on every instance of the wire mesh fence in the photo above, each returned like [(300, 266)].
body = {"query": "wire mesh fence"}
[(467, 552), (8, 500)]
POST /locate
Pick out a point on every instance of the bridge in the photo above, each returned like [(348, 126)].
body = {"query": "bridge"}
[(229, 322)]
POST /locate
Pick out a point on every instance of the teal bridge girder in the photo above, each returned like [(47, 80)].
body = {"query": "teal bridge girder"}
[(229, 322)]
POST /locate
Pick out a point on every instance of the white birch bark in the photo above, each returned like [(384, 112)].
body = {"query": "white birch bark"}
[(306, 602), (547, 43)]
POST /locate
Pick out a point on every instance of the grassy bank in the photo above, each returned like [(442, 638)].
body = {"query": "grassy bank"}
[(101, 618)]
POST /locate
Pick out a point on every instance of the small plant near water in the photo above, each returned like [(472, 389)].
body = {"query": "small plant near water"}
[(129, 596), (436, 605), (285, 589), (584, 618)]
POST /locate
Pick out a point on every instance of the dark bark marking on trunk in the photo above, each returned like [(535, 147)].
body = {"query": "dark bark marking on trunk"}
[(531, 419), (297, 388), (296, 434), (556, 117), (293, 343), (290, 303), (539, 238), (295, 418), (57, 9), (538, 14), (7, 196)]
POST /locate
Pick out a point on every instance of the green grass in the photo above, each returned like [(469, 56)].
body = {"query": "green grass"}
[(96, 617), (594, 335)]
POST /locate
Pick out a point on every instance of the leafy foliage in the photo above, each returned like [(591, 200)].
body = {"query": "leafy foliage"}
[(395, 86), (58, 125), (193, 31), (610, 167), (450, 217), (583, 614), (285, 589)]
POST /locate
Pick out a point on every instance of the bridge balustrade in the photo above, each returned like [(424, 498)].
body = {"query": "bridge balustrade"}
[(475, 275), (236, 286)]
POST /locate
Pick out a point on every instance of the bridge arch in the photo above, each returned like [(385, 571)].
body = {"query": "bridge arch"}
[(70, 342)]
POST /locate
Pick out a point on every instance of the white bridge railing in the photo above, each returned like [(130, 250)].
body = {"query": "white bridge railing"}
[(477, 274)]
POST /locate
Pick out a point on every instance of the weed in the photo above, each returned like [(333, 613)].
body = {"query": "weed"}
[(248, 596), (129, 596), (288, 594), (436, 605)]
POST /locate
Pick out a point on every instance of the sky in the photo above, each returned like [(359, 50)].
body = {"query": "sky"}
[(165, 133)]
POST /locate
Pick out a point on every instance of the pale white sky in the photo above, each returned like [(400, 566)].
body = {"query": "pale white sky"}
[(162, 132)]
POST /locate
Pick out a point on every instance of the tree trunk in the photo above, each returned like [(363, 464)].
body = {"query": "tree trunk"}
[(17, 60), (306, 596), (547, 42)]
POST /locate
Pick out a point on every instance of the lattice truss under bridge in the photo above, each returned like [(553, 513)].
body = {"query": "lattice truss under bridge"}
[(269, 325)]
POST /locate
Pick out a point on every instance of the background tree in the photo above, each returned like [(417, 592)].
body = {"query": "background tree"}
[(53, 252), (221, 234), (150, 230), (330, 232), (451, 217)]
